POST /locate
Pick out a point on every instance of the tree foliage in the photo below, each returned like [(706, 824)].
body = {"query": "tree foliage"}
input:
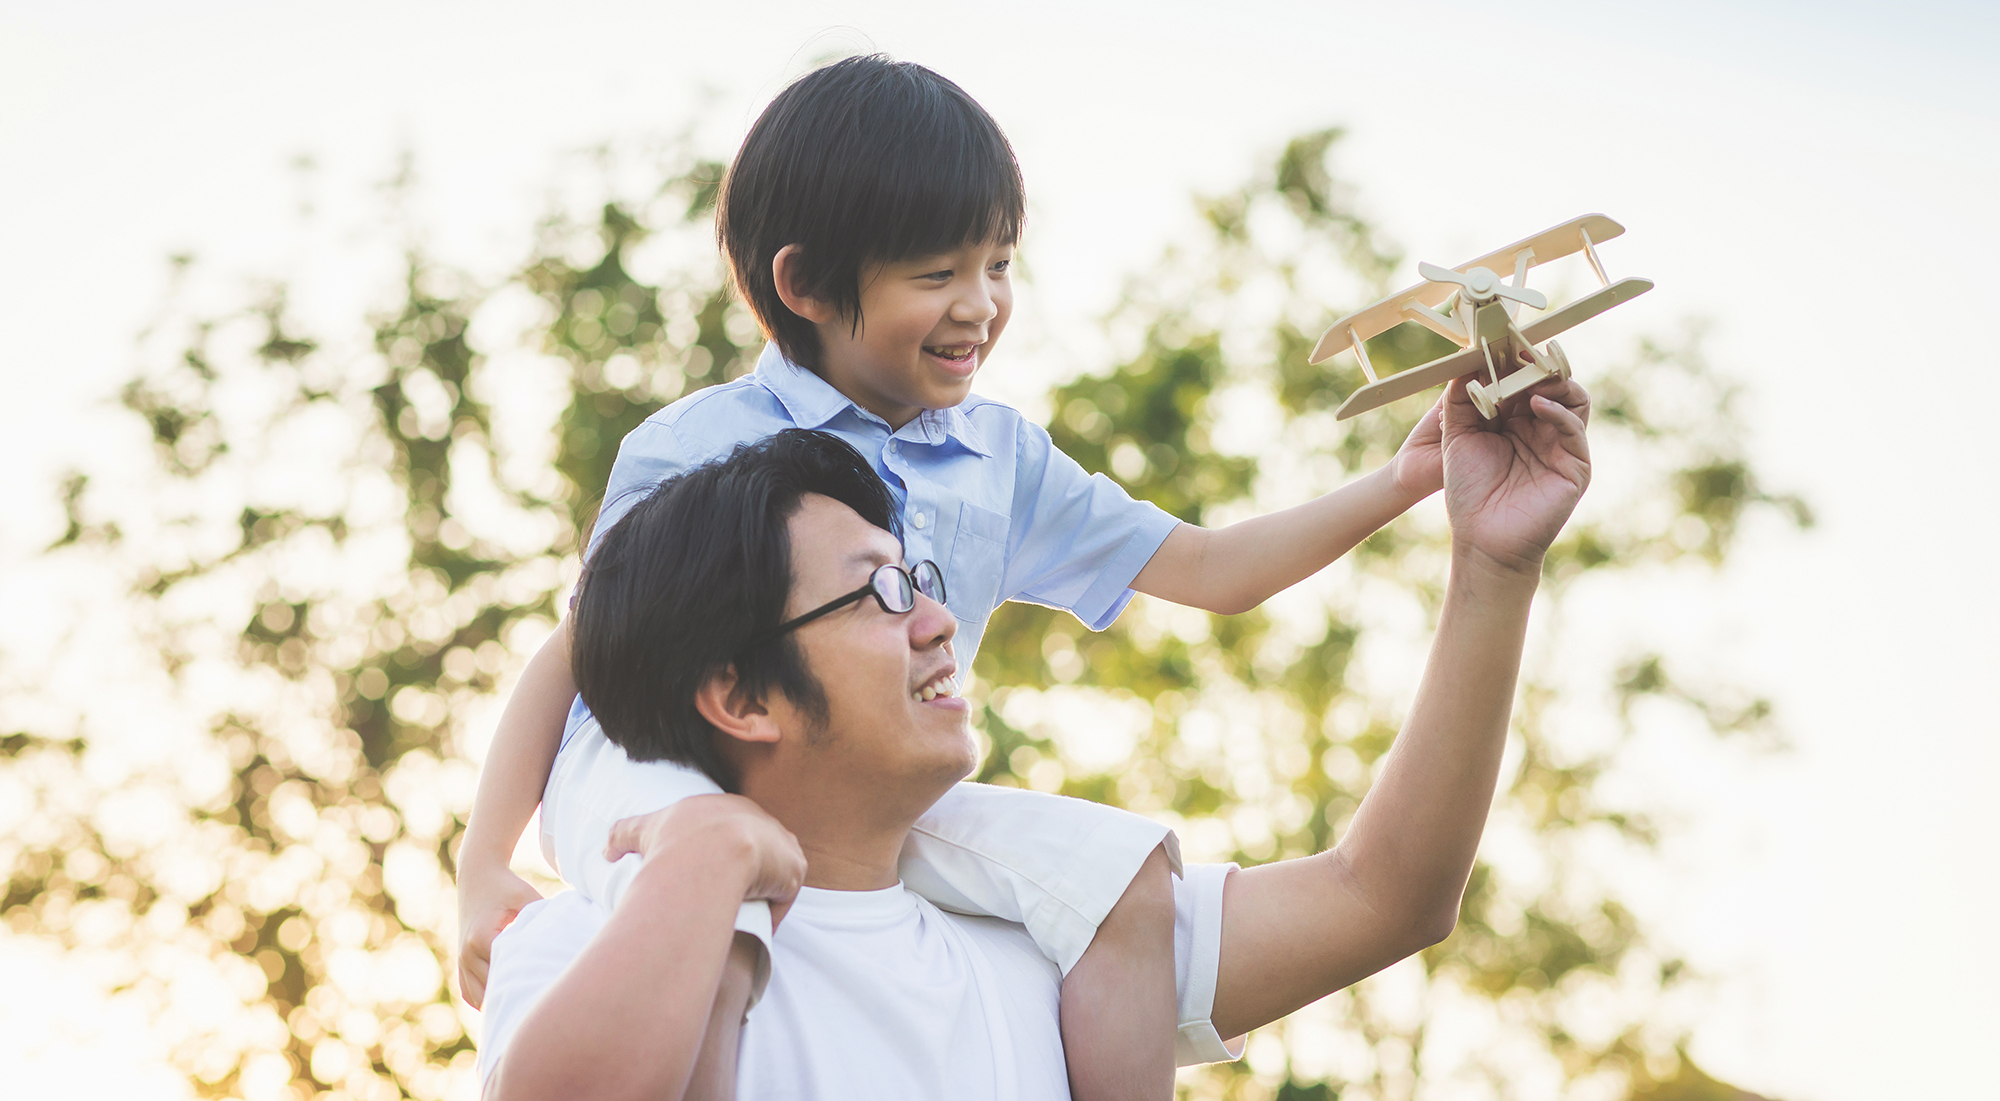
[(347, 538)]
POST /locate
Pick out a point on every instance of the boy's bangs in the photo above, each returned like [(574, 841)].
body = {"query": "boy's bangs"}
[(945, 191)]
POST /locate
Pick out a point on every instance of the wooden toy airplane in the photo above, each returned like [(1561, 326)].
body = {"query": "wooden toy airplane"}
[(1482, 320)]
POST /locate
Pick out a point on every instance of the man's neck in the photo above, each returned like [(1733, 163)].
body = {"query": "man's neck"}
[(849, 845)]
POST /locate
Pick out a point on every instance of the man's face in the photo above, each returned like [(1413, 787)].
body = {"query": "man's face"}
[(874, 666), (927, 324)]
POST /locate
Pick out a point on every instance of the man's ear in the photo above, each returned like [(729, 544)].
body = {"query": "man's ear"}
[(735, 713), (785, 272)]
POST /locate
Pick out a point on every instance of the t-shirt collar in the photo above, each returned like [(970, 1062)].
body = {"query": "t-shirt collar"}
[(811, 402)]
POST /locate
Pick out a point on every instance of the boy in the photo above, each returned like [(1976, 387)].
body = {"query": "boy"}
[(869, 220)]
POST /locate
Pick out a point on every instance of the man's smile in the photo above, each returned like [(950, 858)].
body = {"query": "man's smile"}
[(944, 684)]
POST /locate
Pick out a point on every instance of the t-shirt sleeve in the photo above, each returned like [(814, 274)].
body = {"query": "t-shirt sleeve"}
[(543, 940), (1077, 539), (650, 454), (528, 956), (1197, 961)]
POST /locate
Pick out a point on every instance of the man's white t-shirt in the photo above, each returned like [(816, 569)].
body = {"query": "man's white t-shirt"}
[(880, 994)]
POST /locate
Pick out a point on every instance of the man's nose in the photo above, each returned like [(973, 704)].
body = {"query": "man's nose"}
[(931, 624)]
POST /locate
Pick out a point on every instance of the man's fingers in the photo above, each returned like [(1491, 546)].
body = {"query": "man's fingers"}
[(1561, 416), (1456, 412), (1571, 394)]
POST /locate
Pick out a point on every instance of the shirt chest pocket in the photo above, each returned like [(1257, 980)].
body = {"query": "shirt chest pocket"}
[(978, 562)]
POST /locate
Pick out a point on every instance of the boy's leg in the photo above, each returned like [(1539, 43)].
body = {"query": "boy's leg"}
[(592, 786), (1118, 1002), (1056, 865), (1093, 884)]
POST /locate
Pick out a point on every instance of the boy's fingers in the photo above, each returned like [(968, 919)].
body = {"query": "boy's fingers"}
[(624, 839), (471, 984)]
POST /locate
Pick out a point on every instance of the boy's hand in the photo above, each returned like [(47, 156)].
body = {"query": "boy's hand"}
[(772, 855), (1418, 468), (1511, 483), (488, 899)]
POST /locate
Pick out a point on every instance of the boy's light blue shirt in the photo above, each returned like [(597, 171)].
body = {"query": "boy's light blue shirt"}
[(983, 492)]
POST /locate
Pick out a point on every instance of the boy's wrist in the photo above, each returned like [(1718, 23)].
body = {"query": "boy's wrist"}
[(1402, 497), (480, 857)]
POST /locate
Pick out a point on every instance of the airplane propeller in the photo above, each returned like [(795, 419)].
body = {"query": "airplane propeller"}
[(1483, 286)]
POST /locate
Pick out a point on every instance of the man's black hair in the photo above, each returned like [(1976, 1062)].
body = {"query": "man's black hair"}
[(693, 573), (865, 160)]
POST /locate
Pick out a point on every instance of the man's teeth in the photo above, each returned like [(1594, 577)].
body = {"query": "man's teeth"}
[(946, 686)]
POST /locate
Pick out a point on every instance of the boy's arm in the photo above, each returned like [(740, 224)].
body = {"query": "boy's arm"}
[(1234, 569), (1297, 930), (510, 786)]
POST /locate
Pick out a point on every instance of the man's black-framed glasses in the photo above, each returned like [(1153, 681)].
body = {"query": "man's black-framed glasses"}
[(892, 586)]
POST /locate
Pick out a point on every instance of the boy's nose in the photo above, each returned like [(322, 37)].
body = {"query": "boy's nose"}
[(976, 306)]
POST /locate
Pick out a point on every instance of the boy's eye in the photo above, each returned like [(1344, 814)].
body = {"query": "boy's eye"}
[(1001, 266), (936, 276)]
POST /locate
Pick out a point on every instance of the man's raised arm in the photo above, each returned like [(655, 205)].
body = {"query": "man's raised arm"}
[(628, 1016), (1297, 930)]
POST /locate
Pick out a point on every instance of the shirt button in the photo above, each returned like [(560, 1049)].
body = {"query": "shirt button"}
[(917, 521)]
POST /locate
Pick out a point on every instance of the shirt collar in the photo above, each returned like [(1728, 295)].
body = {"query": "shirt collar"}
[(806, 397), (811, 402)]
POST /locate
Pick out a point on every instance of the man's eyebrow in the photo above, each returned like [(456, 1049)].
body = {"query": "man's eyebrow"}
[(871, 557)]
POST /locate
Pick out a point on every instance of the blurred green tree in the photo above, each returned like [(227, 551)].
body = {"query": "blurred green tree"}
[(345, 542)]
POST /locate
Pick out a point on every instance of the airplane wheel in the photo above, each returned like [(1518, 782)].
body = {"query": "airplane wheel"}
[(1557, 362), (1482, 401)]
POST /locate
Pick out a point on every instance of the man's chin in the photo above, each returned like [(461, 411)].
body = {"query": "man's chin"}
[(956, 765)]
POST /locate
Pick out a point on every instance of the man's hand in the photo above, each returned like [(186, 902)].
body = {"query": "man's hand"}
[(1418, 468), (1511, 483), (488, 899), (768, 850)]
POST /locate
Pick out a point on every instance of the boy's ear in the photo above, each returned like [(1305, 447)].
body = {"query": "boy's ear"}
[(735, 713), (785, 272)]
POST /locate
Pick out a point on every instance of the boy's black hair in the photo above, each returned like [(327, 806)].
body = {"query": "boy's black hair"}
[(684, 581), (865, 160)]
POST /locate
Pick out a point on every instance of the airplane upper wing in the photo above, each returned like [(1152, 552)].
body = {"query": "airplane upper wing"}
[(1550, 244)]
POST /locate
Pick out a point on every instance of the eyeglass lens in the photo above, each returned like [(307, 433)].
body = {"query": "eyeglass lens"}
[(930, 581), (892, 585)]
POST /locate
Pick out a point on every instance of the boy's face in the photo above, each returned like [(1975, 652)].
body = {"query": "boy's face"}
[(927, 324)]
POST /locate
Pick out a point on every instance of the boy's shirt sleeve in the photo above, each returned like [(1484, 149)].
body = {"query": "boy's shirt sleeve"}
[(1077, 539), (649, 455)]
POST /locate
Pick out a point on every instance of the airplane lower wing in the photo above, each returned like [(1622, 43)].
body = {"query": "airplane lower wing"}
[(1418, 379)]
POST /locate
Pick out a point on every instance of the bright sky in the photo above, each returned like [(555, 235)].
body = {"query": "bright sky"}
[(1818, 179)]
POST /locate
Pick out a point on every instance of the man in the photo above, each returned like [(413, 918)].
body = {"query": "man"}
[(753, 617)]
